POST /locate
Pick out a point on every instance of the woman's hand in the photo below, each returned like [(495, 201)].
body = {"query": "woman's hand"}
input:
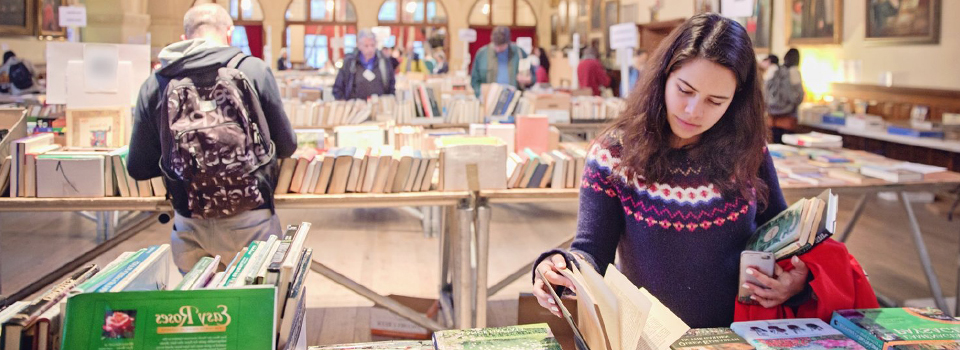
[(781, 288), (550, 267)]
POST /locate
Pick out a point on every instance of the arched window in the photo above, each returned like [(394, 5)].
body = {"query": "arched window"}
[(320, 32), (421, 24), (511, 13), (248, 24)]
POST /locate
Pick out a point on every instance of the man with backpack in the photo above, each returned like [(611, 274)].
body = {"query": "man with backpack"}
[(783, 93), (212, 119), (17, 76)]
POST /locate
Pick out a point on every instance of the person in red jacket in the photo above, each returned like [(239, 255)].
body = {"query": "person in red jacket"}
[(590, 72)]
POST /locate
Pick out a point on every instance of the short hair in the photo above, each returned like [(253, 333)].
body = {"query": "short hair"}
[(366, 33), (439, 55), (205, 17), (500, 36), (792, 58), (773, 59), (8, 55)]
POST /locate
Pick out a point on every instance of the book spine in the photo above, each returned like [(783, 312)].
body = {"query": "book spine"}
[(856, 333), (241, 264), (262, 251), (97, 280), (261, 274), (127, 270), (194, 273)]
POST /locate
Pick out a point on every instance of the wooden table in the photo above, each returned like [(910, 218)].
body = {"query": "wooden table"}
[(456, 281), (931, 182)]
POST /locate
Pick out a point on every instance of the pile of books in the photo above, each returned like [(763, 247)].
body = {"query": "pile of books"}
[(504, 101), (321, 114), (813, 139), (420, 103), (820, 167), (595, 108), (796, 230), (562, 168), (872, 329), (39, 168), (357, 170), (463, 109)]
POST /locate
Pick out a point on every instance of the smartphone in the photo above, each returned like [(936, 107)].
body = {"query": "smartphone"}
[(759, 261)]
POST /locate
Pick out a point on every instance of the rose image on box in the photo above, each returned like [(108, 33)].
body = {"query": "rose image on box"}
[(119, 324)]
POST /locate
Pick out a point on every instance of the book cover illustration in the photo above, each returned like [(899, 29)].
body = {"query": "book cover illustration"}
[(523, 337), (772, 235), (901, 328), (711, 339), (796, 334)]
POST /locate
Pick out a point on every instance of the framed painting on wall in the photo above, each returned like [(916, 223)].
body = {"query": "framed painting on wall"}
[(48, 18), (610, 17), (903, 22), (595, 15), (760, 25), (16, 17), (813, 22), (705, 6)]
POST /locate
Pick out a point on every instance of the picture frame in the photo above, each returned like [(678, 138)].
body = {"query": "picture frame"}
[(904, 24), (48, 18), (595, 15), (17, 17), (96, 128), (814, 22), (705, 6), (760, 25), (611, 16)]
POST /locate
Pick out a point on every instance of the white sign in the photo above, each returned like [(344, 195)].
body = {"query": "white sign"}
[(100, 63), (623, 35), (736, 8), (525, 43), (73, 16), (468, 35)]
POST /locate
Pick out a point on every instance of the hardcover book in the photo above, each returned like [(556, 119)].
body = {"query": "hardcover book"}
[(899, 328), (532, 337), (796, 334), (711, 339)]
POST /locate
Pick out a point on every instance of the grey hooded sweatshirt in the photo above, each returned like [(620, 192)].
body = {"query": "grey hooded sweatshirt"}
[(190, 58)]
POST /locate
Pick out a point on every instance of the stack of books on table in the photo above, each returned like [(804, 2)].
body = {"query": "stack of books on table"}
[(562, 168), (39, 168), (500, 102), (320, 114), (813, 139), (357, 170), (820, 167), (596, 109), (463, 109)]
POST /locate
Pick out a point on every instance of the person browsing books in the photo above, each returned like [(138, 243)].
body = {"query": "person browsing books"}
[(218, 163), (499, 62), (365, 72), (682, 180)]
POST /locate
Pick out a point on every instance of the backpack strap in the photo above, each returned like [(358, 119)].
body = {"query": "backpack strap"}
[(236, 60)]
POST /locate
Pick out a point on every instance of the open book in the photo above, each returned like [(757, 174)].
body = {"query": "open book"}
[(616, 315)]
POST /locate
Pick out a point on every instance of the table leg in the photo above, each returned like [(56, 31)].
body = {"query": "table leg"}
[(857, 210), (483, 258), (932, 279), (462, 272), (447, 240)]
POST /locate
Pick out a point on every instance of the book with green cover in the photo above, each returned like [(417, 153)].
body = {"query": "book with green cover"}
[(523, 337), (235, 318), (384, 345), (899, 328), (711, 339), (779, 231), (194, 273)]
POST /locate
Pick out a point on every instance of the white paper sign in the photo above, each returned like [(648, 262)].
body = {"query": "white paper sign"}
[(100, 67), (73, 16), (623, 35), (525, 43), (736, 8), (468, 35)]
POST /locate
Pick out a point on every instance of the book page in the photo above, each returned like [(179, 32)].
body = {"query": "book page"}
[(634, 307), (662, 328), (607, 303), (588, 317)]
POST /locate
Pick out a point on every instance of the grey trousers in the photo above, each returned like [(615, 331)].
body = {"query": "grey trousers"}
[(193, 239)]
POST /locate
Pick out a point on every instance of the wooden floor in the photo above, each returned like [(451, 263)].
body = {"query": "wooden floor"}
[(385, 250)]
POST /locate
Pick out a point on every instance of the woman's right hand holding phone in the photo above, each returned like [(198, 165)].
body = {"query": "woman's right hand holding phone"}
[(550, 269)]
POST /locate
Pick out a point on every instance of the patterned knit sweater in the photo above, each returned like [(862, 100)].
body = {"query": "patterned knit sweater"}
[(680, 239)]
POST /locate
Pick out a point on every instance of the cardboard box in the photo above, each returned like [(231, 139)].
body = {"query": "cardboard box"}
[(529, 311), (555, 106), (70, 177), (384, 323)]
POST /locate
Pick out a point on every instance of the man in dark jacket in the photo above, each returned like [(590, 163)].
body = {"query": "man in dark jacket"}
[(365, 72), (205, 46)]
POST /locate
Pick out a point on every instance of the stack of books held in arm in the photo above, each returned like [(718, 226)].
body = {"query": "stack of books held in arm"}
[(819, 167), (37, 167), (257, 300), (796, 230), (870, 329)]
